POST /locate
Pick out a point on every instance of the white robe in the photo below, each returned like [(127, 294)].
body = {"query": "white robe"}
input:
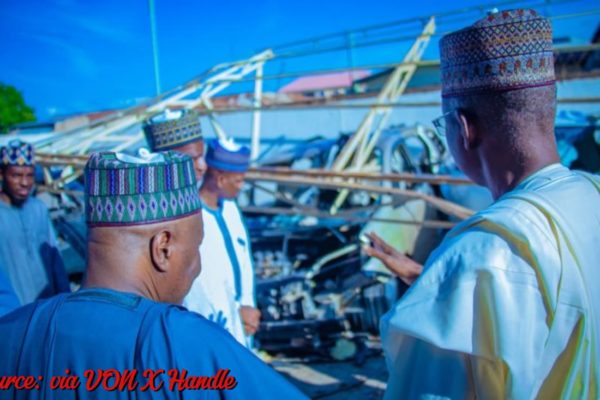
[(508, 305), (224, 250)]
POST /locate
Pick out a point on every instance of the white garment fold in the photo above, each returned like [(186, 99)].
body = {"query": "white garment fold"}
[(226, 281), (507, 305)]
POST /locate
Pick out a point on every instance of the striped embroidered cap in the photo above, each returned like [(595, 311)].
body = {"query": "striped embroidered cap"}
[(125, 190), (226, 155), (171, 129), (506, 50), (17, 153)]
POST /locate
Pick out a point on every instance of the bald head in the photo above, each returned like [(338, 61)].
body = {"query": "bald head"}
[(158, 261)]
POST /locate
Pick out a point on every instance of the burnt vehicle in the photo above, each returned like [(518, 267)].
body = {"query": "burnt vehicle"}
[(317, 293), (314, 288)]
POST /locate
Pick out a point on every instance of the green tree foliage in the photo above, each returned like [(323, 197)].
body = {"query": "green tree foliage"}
[(13, 109)]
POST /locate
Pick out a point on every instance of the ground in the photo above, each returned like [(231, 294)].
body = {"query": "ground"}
[(337, 380)]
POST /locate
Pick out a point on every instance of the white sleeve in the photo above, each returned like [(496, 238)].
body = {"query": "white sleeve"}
[(247, 267), (423, 371), (474, 321)]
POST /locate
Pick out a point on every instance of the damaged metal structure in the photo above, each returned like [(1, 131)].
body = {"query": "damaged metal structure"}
[(307, 205)]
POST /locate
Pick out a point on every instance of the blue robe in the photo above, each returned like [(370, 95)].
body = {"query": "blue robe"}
[(29, 256), (8, 300), (103, 328)]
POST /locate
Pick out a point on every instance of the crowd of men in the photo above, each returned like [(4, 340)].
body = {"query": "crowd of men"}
[(504, 308)]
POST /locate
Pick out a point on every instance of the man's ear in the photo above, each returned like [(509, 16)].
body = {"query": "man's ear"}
[(468, 131), (161, 250), (220, 180)]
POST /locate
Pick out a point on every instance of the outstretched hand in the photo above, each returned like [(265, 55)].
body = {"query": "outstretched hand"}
[(398, 263)]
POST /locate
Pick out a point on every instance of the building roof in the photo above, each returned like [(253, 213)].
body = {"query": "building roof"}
[(335, 80)]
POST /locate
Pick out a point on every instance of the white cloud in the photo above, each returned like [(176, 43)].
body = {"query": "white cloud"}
[(62, 33), (75, 55)]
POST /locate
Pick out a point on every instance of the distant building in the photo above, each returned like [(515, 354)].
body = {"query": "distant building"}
[(581, 62), (326, 85)]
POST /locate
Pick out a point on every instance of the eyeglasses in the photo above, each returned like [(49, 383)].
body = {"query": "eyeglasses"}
[(440, 123)]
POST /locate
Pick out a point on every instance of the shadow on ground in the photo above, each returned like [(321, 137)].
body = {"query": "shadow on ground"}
[(337, 380)]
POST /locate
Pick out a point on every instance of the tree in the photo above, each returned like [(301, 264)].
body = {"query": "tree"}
[(13, 109)]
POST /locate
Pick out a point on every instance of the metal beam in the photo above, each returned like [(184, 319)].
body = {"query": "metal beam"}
[(360, 146), (255, 139)]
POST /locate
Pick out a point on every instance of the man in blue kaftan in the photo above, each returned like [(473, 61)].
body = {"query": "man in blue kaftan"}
[(29, 255), (225, 291), (143, 218), (8, 299)]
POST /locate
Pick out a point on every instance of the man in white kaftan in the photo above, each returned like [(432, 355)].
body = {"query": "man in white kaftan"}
[(227, 280), (499, 308), (224, 292), (507, 306)]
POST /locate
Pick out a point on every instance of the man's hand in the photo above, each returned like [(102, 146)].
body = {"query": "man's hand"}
[(251, 319), (402, 266)]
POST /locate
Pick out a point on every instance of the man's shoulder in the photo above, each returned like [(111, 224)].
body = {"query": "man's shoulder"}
[(500, 238), (15, 324), (36, 207), (16, 316), (36, 203), (185, 324), (231, 206), (501, 221), (179, 316), (234, 217), (181, 331)]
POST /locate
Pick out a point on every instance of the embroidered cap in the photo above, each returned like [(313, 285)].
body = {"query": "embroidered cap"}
[(506, 50), (17, 153), (171, 129), (226, 155), (125, 190)]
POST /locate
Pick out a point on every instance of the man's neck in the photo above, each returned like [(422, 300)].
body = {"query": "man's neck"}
[(118, 268), (209, 197), (104, 279), (503, 180), (5, 198)]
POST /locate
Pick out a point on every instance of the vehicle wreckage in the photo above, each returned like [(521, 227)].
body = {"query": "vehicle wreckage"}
[(308, 204), (318, 294)]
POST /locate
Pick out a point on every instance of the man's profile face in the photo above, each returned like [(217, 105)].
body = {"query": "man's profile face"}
[(230, 184), (18, 182), (196, 152), (454, 141)]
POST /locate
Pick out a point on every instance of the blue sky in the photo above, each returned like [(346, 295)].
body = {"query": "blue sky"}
[(70, 56)]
